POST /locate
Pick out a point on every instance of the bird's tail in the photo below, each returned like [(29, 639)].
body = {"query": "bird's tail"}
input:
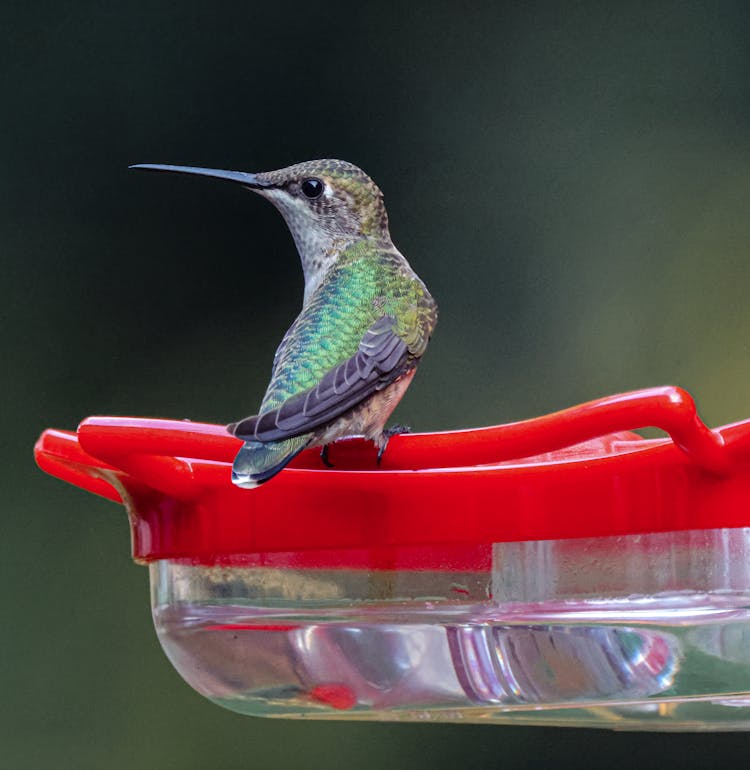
[(257, 462)]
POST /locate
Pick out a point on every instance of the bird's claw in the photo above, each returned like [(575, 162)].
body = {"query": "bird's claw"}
[(388, 433), (324, 456)]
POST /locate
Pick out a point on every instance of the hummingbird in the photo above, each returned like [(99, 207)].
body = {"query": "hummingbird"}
[(366, 318)]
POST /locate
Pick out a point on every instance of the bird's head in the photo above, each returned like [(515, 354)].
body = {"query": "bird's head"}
[(331, 195), (327, 205)]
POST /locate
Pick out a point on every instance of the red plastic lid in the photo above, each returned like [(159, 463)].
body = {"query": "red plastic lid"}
[(434, 493)]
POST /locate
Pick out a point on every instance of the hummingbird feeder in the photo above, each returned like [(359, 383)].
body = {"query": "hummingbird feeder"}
[(556, 571)]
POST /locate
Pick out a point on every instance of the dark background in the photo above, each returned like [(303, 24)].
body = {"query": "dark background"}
[(570, 179)]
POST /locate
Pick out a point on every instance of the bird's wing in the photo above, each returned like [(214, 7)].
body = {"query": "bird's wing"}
[(383, 356)]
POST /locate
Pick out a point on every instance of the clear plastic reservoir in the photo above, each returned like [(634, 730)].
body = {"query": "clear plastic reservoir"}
[(631, 632)]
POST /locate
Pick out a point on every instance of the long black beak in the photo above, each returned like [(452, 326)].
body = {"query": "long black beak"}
[(241, 177)]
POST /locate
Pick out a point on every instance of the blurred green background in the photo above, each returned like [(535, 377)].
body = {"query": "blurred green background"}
[(570, 179)]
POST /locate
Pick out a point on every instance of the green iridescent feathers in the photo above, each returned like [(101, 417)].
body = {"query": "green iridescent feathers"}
[(364, 285)]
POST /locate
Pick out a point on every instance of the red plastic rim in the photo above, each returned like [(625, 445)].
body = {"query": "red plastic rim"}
[(434, 494)]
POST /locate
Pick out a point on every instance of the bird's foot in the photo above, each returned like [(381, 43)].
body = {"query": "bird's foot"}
[(324, 456), (388, 433)]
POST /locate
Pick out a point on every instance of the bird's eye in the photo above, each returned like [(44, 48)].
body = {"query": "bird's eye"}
[(312, 188)]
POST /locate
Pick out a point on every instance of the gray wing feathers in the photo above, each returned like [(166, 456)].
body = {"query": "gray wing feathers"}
[(380, 359)]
